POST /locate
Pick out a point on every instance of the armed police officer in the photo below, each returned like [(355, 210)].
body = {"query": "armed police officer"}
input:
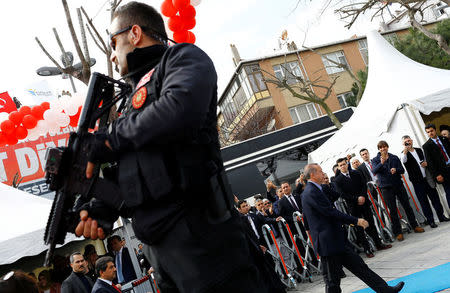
[(170, 171)]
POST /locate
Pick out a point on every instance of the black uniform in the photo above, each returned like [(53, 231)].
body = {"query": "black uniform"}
[(170, 173)]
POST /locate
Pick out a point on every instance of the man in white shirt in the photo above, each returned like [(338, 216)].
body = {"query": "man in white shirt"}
[(415, 164), (106, 270)]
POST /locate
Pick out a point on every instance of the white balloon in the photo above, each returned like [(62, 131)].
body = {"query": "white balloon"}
[(195, 2), (62, 120), (56, 105), (50, 115), (72, 108), (3, 116), (33, 134), (42, 127)]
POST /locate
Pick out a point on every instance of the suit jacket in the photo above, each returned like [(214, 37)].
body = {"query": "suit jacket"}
[(435, 159), (127, 266), (102, 287), (73, 284), (364, 172), (383, 171), (325, 222), (351, 188), (413, 167), (286, 209), (259, 220)]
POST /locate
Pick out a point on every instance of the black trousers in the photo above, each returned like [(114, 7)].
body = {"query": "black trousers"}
[(355, 264), (363, 211), (424, 192), (196, 256), (390, 194)]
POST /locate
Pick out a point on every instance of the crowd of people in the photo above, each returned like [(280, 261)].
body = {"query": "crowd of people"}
[(81, 272)]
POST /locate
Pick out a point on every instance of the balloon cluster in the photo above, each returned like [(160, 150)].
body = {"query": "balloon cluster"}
[(32, 122), (181, 14)]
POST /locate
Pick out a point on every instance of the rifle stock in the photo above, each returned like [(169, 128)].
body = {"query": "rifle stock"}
[(66, 166)]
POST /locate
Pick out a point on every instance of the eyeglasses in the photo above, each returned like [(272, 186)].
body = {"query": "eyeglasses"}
[(112, 42)]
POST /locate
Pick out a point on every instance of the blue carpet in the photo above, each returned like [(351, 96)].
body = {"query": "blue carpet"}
[(427, 281)]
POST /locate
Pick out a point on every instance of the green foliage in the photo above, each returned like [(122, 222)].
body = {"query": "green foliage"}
[(362, 77), (422, 49)]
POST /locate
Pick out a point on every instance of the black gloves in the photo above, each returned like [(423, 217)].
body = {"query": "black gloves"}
[(98, 151)]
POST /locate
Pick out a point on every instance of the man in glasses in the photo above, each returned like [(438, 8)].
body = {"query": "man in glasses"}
[(170, 170)]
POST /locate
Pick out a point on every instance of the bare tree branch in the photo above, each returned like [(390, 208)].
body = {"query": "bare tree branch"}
[(83, 35), (48, 55)]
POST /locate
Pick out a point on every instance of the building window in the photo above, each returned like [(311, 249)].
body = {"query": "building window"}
[(342, 98), (439, 10), (255, 77), (337, 57), (362, 44), (289, 71), (391, 38), (304, 112)]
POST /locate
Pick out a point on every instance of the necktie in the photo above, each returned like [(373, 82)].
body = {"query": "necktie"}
[(370, 164), (293, 203), (119, 268), (115, 287), (442, 150)]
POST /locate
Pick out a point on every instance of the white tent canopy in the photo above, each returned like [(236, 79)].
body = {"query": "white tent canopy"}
[(394, 82), (23, 217)]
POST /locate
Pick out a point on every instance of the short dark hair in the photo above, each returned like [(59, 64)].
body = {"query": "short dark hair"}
[(362, 150), (382, 143), (240, 202), (143, 15), (71, 258), (18, 282), (284, 182), (102, 263), (88, 250), (110, 239), (405, 136), (430, 125), (444, 127), (340, 160)]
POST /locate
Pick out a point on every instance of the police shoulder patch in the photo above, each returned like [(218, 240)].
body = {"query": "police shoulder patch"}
[(139, 97)]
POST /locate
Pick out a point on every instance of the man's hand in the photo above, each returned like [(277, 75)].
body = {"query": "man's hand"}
[(382, 159), (279, 218), (89, 227), (424, 164), (440, 178), (236, 200), (361, 200), (393, 171), (362, 223), (90, 165), (349, 157), (270, 185), (263, 248)]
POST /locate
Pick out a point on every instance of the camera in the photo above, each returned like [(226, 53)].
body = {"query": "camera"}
[(407, 144)]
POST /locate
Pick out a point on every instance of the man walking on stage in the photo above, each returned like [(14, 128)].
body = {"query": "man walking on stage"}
[(325, 224)]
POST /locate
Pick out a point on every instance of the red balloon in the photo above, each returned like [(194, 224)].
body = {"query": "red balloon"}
[(2, 139), (25, 110), (11, 139), (45, 105), (191, 37), (16, 117), (21, 132), (74, 119), (175, 23), (180, 4), (180, 36), (7, 126), (37, 112), (29, 121), (188, 24), (167, 8), (188, 12)]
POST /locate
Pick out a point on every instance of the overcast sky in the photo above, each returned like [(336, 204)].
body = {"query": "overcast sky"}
[(252, 25)]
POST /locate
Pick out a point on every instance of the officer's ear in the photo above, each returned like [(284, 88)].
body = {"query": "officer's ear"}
[(136, 35)]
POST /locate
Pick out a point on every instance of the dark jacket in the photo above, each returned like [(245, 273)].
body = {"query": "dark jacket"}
[(102, 287), (413, 167), (351, 188), (364, 172), (167, 145), (127, 266), (325, 222), (259, 220), (435, 158), (383, 171), (286, 210), (73, 284)]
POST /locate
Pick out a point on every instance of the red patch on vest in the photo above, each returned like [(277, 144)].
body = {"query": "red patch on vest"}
[(145, 78), (139, 97)]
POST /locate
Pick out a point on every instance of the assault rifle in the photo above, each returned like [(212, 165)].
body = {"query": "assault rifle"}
[(65, 169)]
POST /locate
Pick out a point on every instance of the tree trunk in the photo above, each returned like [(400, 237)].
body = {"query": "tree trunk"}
[(330, 114)]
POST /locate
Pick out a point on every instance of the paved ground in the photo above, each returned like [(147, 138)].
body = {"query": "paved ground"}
[(418, 252)]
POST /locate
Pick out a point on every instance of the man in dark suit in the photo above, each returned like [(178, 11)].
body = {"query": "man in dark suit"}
[(106, 270), (366, 167), (437, 153), (388, 169), (77, 282), (353, 189), (124, 265), (415, 164), (325, 223), (289, 204)]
